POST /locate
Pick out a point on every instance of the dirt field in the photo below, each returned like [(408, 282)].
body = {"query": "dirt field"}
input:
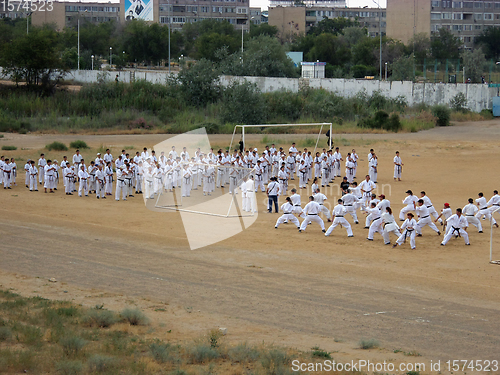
[(297, 290)]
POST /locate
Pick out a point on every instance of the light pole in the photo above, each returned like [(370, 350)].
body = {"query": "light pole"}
[(78, 32), (92, 57), (386, 71), (168, 14), (110, 57), (380, 34)]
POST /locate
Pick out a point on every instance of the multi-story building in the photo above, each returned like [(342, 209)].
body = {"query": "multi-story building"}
[(12, 10), (465, 19), (176, 13), (294, 20), (66, 14)]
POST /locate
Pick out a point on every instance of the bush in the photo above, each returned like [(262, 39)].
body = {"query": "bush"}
[(487, 114), (101, 363), (100, 318), (442, 114), (9, 148), (56, 146), (320, 353), (5, 333), (394, 124), (243, 353), (72, 345), (242, 103), (69, 367), (368, 344), (202, 353), (459, 102), (78, 144), (161, 352), (135, 317), (276, 361)]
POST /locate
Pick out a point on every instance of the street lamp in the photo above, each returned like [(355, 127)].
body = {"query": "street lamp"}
[(380, 34), (92, 57), (168, 13), (78, 28), (386, 71), (110, 57)]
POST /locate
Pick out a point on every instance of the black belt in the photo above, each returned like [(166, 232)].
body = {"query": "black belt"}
[(484, 208), (469, 215), (296, 205), (287, 213), (339, 215), (496, 205), (423, 217), (282, 179), (313, 214), (348, 205)]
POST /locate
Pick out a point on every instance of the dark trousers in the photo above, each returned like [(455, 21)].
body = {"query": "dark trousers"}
[(273, 198)]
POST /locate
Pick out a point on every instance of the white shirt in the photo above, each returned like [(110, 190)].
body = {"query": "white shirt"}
[(273, 188), (339, 210), (83, 174), (77, 158), (470, 210), (367, 186), (427, 201), (409, 224), (312, 208), (295, 199), (383, 204), (446, 212), (42, 162), (481, 202), (108, 158), (349, 199), (457, 222), (286, 208), (409, 200), (422, 211), (494, 200), (320, 198), (145, 155)]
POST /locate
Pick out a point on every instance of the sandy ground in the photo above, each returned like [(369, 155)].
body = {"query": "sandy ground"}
[(277, 286)]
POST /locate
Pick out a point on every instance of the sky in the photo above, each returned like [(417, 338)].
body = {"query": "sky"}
[(351, 3)]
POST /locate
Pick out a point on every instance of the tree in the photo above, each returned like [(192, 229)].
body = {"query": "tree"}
[(207, 45), (473, 62), (34, 58), (420, 46), (331, 49), (354, 34), (402, 69), (262, 29), (445, 45), (489, 42), (333, 26), (199, 84), (253, 112)]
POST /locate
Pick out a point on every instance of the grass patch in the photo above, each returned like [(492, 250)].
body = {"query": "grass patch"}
[(161, 352), (135, 317), (101, 364), (128, 147), (243, 353), (5, 333), (320, 353), (72, 345), (69, 367), (56, 146), (9, 148), (99, 318), (78, 144), (368, 344), (203, 353)]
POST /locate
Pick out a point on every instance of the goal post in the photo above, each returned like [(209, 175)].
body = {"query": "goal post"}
[(491, 237), (321, 125)]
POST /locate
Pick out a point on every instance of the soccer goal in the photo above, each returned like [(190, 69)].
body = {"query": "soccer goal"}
[(493, 243), (327, 125)]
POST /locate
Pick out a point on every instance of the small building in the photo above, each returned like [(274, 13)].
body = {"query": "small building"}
[(313, 69)]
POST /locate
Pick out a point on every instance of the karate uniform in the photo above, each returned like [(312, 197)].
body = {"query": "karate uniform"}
[(297, 206), (349, 170), (50, 178), (99, 183), (428, 204), (283, 180), (470, 211), (7, 175), (27, 167), (376, 225), (424, 219), (350, 201), (186, 182), (484, 210), (456, 225), (33, 178), (312, 210), (108, 171), (68, 180), (302, 175), (397, 167), (411, 202), (390, 226), (258, 178), (408, 228), (368, 187), (339, 212), (373, 169), (320, 198), (41, 167), (83, 187)]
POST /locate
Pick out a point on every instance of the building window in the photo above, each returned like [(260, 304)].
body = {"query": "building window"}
[(468, 4), (457, 4), (164, 19), (497, 5), (435, 16), (467, 39), (468, 27), (478, 4), (446, 16), (457, 27), (488, 16), (477, 27), (178, 19), (435, 3), (457, 16), (478, 16)]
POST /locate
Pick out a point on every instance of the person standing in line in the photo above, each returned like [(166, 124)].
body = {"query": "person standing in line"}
[(445, 213), (312, 210), (398, 167), (494, 204), (373, 168), (7, 174), (338, 213), (457, 225), (350, 204), (33, 177), (283, 179), (41, 166), (83, 176), (99, 183), (68, 179), (77, 159), (367, 186), (27, 167), (49, 178)]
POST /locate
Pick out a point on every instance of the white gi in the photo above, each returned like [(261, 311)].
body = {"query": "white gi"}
[(337, 157), (312, 210), (397, 167), (376, 225), (251, 203), (411, 202), (494, 202), (350, 201), (27, 167), (77, 159), (484, 210), (390, 226), (428, 204), (297, 205), (259, 178), (41, 166), (99, 183), (470, 211), (302, 175), (324, 172), (456, 225), (83, 187), (148, 183), (367, 187), (424, 219), (283, 180), (446, 212), (186, 182), (339, 212), (120, 184), (68, 180), (108, 171), (287, 208), (320, 199), (349, 170), (50, 178), (373, 168), (7, 175), (408, 228), (33, 178)]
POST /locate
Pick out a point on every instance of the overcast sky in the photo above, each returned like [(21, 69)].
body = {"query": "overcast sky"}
[(351, 3)]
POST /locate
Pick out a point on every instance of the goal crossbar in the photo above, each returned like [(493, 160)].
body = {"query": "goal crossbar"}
[(322, 124)]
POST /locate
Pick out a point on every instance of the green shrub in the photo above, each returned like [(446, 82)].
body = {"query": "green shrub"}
[(72, 345), (100, 318), (442, 114), (487, 114), (320, 353), (242, 103), (243, 353), (394, 124), (56, 146), (78, 144), (135, 317), (69, 367), (276, 361), (368, 344), (101, 363), (459, 102), (5, 333), (202, 353), (9, 148), (161, 352)]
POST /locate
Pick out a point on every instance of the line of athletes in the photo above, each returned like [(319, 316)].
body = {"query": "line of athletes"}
[(380, 218)]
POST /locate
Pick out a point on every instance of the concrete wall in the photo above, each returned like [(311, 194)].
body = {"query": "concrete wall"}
[(478, 96)]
